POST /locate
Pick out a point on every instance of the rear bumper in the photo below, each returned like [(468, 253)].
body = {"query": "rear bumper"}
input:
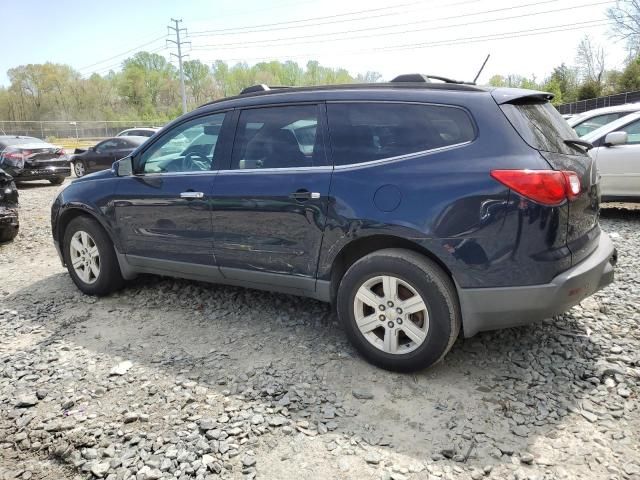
[(494, 308), (44, 173)]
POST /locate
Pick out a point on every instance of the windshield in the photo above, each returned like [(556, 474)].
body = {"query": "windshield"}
[(542, 127)]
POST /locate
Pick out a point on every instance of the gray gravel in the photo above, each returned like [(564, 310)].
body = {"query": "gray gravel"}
[(178, 379)]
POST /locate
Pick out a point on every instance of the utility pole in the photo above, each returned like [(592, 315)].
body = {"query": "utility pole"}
[(179, 56)]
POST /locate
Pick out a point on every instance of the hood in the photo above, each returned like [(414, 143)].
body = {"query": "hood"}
[(102, 174)]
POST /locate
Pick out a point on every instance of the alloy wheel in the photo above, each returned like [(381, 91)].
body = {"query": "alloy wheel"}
[(85, 257), (78, 168), (391, 314)]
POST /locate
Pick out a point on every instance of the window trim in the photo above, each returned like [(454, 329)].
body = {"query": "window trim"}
[(322, 130), (407, 156), (136, 155)]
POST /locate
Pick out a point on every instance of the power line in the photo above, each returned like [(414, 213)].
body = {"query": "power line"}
[(267, 27), (269, 43), (105, 69), (180, 56), (450, 42), (123, 53)]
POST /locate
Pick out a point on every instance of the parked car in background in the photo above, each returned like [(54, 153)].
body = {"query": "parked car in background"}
[(139, 132), (417, 209), (103, 154), (593, 119), (567, 116), (29, 158), (616, 150), (8, 208)]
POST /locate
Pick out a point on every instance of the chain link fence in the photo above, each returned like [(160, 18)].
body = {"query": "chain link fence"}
[(609, 101), (72, 130)]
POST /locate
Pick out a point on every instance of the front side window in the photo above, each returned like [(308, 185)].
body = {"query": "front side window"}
[(362, 132), (189, 147), (633, 132), (277, 137)]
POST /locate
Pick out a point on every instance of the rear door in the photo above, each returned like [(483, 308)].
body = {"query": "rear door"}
[(103, 155), (619, 165), (544, 129), (269, 205)]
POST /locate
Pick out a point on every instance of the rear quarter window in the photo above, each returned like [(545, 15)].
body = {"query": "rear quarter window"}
[(362, 132)]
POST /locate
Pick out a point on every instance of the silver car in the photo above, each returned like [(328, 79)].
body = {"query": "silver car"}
[(617, 155)]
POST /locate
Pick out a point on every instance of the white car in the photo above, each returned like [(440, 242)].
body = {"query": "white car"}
[(616, 150), (593, 119), (138, 132)]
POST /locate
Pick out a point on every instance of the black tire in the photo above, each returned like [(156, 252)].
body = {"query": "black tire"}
[(56, 181), (109, 278), (75, 169), (434, 286), (8, 233)]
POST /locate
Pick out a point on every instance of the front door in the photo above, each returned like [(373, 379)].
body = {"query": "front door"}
[(619, 165), (269, 206), (162, 211)]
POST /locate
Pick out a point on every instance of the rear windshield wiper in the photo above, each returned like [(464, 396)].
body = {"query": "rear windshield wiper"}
[(573, 142)]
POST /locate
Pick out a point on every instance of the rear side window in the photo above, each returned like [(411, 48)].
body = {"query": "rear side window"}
[(593, 123), (542, 127), (362, 132)]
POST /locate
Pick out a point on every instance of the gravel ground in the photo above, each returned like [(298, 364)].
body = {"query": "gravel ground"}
[(179, 379)]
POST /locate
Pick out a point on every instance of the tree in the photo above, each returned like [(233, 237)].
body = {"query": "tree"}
[(590, 62), (198, 80), (625, 16), (629, 79)]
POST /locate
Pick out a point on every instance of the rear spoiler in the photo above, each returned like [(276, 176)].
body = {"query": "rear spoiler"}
[(520, 95), (79, 150)]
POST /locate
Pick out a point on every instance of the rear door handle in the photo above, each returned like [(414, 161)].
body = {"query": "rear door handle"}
[(303, 194), (191, 195)]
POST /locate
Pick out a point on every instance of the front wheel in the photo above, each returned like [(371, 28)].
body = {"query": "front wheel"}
[(399, 309), (8, 233), (90, 257)]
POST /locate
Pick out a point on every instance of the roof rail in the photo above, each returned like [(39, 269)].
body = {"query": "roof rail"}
[(421, 78), (261, 87)]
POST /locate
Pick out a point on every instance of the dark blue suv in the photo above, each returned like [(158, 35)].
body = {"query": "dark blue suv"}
[(418, 209)]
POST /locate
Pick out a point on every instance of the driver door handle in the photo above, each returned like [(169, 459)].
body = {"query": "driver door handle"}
[(303, 194), (191, 195)]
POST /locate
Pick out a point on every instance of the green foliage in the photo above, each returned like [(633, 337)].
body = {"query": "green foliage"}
[(147, 87), (629, 80)]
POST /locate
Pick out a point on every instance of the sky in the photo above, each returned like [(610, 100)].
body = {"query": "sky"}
[(439, 37)]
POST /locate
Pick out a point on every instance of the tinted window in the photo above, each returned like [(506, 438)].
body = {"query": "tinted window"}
[(542, 127), (107, 146), (372, 131), (278, 137), (633, 132), (173, 152), (596, 122)]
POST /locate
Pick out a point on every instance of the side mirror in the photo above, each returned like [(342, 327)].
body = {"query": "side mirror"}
[(123, 167), (615, 138)]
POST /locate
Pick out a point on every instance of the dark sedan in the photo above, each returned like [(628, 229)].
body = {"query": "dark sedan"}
[(8, 208), (102, 155), (29, 158)]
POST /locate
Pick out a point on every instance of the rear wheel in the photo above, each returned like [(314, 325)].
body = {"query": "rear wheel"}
[(56, 180), (399, 309), (90, 257), (79, 168)]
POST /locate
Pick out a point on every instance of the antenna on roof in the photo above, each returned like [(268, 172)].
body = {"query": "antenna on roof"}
[(481, 68)]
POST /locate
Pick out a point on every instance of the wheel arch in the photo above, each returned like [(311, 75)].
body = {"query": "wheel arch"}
[(358, 248), (69, 214)]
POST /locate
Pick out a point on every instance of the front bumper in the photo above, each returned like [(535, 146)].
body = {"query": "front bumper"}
[(8, 217), (494, 308)]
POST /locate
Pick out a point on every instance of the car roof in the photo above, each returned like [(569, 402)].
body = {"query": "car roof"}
[(306, 93), (627, 107), (610, 127)]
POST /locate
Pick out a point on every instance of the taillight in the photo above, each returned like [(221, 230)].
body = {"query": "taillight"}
[(548, 187), (61, 152)]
